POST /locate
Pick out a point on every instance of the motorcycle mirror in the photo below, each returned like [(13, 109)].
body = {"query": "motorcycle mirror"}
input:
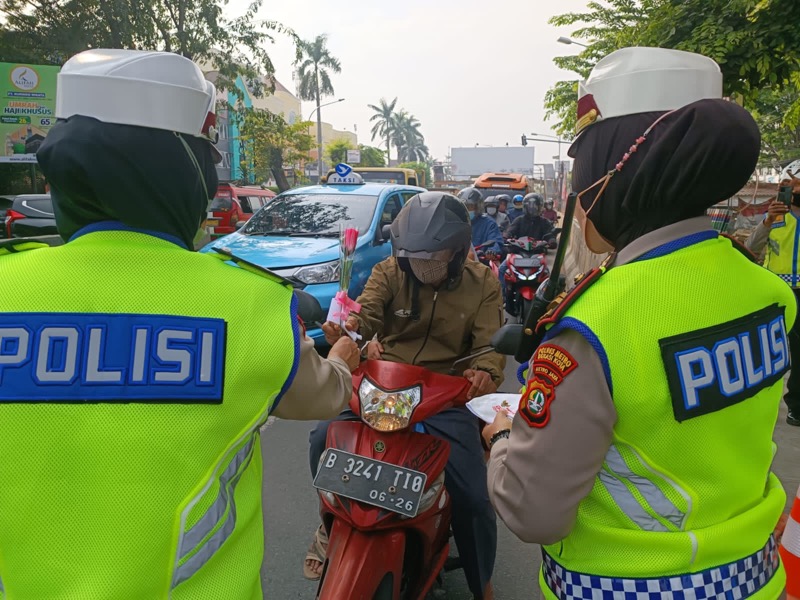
[(386, 233), (506, 339), (309, 308)]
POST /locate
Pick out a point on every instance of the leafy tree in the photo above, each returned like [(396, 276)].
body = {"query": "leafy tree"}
[(50, 31), (314, 65), (754, 42), (271, 143), (371, 157), (336, 151), (383, 122), (408, 138), (424, 174)]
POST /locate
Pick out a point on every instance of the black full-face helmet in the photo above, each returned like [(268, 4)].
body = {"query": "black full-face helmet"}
[(433, 226), (533, 205)]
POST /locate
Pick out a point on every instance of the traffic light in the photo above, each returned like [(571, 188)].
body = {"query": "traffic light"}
[(524, 140)]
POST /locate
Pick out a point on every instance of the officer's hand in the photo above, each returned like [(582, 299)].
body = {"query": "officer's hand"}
[(346, 350), (374, 350), (333, 331), (774, 211), (481, 383), (501, 421)]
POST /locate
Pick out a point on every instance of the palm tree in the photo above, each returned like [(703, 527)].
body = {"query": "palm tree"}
[(408, 138), (314, 80), (384, 122)]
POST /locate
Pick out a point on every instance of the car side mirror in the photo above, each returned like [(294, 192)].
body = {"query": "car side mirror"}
[(383, 235), (309, 308), (506, 339)]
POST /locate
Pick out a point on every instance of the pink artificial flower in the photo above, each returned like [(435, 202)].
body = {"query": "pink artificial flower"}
[(350, 240)]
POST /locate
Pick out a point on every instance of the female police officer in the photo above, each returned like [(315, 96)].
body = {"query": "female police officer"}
[(135, 373), (640, 455)]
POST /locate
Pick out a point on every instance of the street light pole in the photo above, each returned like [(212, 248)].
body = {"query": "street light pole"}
[(569, 41), (319, 134)]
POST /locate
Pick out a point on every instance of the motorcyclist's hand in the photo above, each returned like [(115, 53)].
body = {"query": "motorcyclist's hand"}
[(348, 351), (501, 421), (374, 350), (774, 211), (481, 381)]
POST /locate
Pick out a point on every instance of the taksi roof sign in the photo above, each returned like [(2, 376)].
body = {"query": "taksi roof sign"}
[(344, 175)]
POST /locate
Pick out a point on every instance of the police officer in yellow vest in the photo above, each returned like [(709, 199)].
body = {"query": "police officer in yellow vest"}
[(779, 234), (640, 454), (135, 374)]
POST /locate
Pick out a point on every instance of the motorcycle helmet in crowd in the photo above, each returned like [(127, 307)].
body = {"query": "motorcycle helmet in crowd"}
[(473, 200), (534, 203), (518, 199), (503, 198), (491, 204)]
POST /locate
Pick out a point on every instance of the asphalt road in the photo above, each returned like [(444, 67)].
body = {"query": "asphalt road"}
[(290, 514)]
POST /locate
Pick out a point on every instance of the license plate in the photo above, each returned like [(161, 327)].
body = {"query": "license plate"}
[(371, 481)]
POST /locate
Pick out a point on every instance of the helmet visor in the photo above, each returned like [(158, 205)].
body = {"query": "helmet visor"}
[(445, 255)]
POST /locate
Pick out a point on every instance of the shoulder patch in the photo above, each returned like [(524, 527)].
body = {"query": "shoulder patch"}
[(714, 368), (549, 366)]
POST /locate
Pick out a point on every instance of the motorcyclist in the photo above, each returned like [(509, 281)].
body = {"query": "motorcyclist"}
[(549, 212), (516, 209), (428, 275), (532, 224), (529, 225), (485, 232), (492, 205)]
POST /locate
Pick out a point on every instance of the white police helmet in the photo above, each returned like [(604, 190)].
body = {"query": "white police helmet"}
[(160, 90)]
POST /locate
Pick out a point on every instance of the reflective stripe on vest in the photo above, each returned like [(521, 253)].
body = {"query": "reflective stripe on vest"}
[(617, 478), (740, 579), (782, 250), (220, 516)]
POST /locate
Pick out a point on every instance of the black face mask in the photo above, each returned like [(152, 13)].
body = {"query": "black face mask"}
[(138, 176)]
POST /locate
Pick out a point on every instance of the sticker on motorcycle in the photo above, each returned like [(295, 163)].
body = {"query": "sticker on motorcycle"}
[(549, 366)]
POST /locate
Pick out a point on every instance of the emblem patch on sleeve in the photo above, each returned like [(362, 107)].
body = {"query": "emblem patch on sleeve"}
[(714, 368), (549, 366)]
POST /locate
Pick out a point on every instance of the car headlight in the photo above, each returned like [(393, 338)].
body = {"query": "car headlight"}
[(387, 410), (322, 273)]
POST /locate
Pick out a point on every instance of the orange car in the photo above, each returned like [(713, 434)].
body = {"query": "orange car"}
[(491, 184)]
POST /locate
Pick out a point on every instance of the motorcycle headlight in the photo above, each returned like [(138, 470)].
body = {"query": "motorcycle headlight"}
[(322, 273), (387, 410)]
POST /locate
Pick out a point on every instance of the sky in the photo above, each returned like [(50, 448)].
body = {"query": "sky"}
[(472, 71)]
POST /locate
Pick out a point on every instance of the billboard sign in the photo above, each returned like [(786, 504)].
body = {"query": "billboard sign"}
[(354, 156), (27, 109), (473, 162)]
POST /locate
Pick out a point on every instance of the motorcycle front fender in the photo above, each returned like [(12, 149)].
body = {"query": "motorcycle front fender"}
[(358, 562), (527, 292)]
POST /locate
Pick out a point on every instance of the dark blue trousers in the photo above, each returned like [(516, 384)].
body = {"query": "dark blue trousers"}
[(474, 525)]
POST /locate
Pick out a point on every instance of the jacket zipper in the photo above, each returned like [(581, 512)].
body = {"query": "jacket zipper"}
[(428, 332)]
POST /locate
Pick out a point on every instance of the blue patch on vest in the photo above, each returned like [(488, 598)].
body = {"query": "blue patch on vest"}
[(711, 369), (117, 358)]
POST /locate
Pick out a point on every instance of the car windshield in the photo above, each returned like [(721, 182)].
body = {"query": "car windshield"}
[(313, 214), (394, 177)]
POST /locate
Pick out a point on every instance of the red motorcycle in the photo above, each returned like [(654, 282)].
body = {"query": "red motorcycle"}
[(527, 269), (381, 486)]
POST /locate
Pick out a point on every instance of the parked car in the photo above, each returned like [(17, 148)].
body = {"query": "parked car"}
[(296, 236), (30, 215), (234, 205)]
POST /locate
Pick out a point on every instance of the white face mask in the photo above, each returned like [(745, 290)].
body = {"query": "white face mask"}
[(491, 211)]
